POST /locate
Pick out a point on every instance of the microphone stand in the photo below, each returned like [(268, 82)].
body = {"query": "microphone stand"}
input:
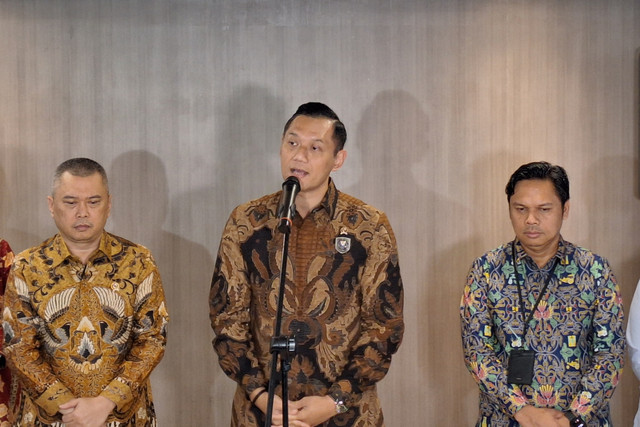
[(281, 345)]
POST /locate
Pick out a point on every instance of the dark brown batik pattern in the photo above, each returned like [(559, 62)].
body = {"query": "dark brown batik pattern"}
[(344, 310)]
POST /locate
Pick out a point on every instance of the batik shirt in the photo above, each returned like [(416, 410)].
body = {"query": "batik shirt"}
[(576, 333), (342, 304), (6, 259), (84, 330)]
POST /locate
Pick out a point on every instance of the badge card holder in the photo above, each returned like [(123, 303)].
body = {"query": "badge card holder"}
[(520, 370)]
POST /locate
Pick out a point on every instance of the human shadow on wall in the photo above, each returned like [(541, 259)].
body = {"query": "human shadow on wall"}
[(138, 183), (246, 166), (14, 225), (403, 177)]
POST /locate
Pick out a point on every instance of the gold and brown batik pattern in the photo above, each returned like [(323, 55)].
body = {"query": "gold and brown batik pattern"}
[(76, 330), (343, 303)]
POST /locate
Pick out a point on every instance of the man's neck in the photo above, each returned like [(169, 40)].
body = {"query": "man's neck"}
[(541, 255), (305, 205), (83, 251), (306, 202)]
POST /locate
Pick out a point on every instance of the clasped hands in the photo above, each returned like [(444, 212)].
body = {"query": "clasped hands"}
[(86, 411), (307, 412), (531, 416)]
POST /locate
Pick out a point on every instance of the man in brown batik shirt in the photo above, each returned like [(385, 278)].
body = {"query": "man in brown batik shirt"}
[(343, 300)]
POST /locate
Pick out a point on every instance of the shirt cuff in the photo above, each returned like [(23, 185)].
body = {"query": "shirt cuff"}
[(516, 401), (119, 392), (54, 396), (342, 391)]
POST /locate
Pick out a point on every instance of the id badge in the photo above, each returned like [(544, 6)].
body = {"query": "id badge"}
[(520, 369)]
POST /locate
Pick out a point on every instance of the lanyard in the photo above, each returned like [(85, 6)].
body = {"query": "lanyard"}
[(542, 292)]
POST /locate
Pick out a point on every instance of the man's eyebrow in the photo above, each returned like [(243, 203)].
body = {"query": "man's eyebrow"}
[(69, 197), (292, 133), (539, 205)]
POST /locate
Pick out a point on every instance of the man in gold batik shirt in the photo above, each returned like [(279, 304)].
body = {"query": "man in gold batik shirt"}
[(85, 317), (343, 299)]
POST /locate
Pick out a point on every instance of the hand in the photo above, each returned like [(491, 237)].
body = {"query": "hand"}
[(314, 410), (530, 416), (277, 419), (86, 411)]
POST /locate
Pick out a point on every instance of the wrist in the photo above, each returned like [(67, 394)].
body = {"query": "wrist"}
[(256, 395)]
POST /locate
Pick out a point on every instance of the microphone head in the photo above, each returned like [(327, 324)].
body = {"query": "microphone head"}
[(291, 181)]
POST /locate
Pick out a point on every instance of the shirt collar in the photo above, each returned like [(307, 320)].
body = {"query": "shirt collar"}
[(561, 253), (60, 250), (330, 200)]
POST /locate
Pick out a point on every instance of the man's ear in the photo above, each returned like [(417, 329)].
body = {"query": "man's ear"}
[(339, 159), (565, 210), (50, 203)]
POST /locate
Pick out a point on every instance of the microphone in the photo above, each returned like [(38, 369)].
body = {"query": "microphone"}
[(287, 208)]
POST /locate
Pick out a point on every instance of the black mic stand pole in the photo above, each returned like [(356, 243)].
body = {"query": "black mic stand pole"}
[(281, 345)]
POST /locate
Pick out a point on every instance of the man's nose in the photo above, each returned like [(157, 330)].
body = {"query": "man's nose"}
[(532, 218), (301, 154), (83, 210)]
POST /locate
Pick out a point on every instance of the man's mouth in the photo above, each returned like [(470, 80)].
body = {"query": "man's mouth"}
[(532, 233), (298, 173)]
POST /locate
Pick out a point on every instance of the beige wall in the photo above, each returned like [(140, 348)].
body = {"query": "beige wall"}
[(183, 102)]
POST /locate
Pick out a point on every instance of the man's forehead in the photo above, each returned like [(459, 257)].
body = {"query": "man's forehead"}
[(69, 184), (535, 188)]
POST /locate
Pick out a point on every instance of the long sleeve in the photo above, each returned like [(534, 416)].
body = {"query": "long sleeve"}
[(149, 340), (22, 347), (381, 323), (483, 353), (607, 348), (229, 303), (6, 259)]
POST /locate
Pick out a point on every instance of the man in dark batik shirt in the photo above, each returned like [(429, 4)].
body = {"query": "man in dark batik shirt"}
[(343, 298)]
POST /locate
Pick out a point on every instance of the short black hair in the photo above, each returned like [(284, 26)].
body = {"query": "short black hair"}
[(320, 110), (79, 166), (543, 171)]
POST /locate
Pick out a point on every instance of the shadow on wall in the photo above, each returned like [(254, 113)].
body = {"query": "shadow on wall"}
[(403, 177), (13, 205), (138, 184), (246, 167)]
